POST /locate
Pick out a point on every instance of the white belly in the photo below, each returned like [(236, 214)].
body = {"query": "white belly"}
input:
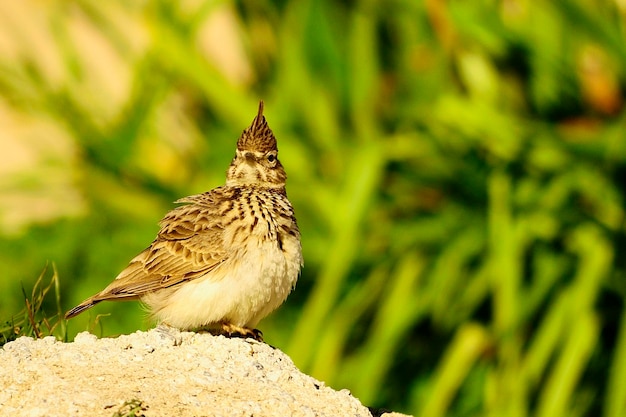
[(252, 283)]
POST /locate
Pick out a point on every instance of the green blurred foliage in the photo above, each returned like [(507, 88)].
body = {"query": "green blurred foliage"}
[(457, 169)]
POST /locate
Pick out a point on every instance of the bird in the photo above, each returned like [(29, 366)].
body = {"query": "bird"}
[(223, 259)]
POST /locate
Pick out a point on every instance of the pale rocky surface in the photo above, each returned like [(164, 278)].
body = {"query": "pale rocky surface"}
[(170, 373)]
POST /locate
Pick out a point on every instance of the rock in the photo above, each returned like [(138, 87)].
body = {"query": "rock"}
[(162, 372)]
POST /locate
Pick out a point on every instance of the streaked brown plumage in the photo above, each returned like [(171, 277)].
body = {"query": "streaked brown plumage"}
[(227, 257)]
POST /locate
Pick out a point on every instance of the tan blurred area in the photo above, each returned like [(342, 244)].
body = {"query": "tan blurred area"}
[(59, 48)]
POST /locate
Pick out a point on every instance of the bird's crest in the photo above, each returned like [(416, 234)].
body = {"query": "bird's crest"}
[(258, 136)]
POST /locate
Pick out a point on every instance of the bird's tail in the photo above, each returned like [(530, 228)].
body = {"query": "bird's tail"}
[(85, 305)]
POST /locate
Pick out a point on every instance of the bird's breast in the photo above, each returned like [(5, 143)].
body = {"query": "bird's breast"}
[(259, 217)]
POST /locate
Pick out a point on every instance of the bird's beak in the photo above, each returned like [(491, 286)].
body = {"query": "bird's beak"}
[(249, 157)]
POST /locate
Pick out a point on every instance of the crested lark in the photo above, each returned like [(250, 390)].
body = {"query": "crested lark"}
[(228, 257)]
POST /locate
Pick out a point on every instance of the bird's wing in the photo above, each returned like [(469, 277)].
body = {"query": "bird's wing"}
[(189, 245)]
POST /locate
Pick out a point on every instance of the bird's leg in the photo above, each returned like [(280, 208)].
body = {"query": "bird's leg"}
[(236, 331)]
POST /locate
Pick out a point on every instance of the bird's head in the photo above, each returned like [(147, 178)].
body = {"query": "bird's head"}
[(256, 159)]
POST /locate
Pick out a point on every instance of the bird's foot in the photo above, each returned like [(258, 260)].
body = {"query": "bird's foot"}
[(165, 331), (235, 331)]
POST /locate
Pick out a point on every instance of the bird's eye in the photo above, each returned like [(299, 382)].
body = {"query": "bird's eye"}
[(271, 157)]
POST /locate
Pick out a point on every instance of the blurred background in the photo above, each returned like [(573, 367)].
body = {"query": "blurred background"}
[(457, 168)]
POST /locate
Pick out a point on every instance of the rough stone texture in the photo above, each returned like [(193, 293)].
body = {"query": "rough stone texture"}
[(168, 373)]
